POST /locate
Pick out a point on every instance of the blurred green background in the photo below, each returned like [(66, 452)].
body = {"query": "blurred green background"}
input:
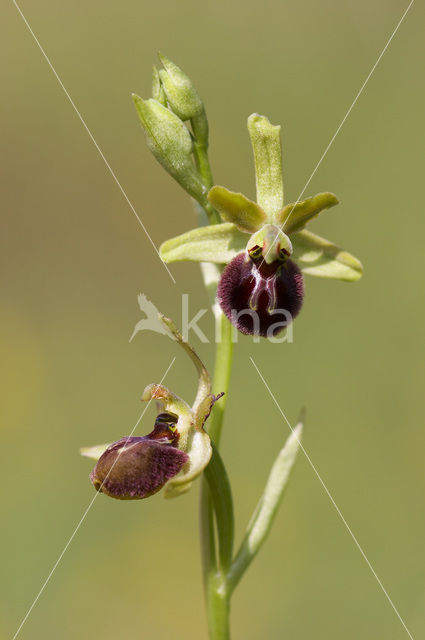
[(74, 259)]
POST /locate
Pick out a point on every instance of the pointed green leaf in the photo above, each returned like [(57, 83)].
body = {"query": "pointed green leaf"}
[(234, 207), (221, 494), (217, 243), (295, 216), (265, 140), (319, 257), (266, 510)]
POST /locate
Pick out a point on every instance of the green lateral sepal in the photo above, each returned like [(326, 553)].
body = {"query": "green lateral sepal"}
[(319, 257), (217, 243)]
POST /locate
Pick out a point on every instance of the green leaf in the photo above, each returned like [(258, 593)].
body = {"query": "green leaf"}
[(236, 208), (169, 140), (265, 513), (217, 243), (221, 495), (265, 140), (293, 217), (319, 257)]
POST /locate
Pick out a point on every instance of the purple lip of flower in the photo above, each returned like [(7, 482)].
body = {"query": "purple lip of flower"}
[(137, 467), (260, 298)]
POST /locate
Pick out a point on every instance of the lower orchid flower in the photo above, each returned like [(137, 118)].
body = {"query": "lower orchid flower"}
[(172, 455), (264, 244)]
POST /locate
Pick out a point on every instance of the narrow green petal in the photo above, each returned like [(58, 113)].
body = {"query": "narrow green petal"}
[(265, 513), (217, 243), (295, 216), (204, 401), (234, 207), (319, 257)]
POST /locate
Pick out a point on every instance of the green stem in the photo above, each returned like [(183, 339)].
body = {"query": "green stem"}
[(218, 600), (202, 163), (200, 152), (215, 488), (222, 372), (215, 577)]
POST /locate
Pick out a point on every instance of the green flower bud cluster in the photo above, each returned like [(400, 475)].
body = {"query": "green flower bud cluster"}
[(179, 148)]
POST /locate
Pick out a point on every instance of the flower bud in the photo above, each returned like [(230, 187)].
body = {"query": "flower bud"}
[(158, 92), (260, 298), (181, 94), (170, 142)]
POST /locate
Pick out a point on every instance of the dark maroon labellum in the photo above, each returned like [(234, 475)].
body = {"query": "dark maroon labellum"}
[(137, 467), (260, 298)]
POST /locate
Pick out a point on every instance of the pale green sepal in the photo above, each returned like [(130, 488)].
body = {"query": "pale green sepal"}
[(170, 142), (158, 92), (94, 452), (217, 243), (199, 449), (181, 94), (234, 207), (174, 491), (272, 241), (201, 408), (293, 217), (265, 140), (203, 401), (211, 273), (319, 257), (265, 512)]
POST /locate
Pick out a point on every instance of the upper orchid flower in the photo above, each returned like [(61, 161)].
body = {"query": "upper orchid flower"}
[(175, 452), (264, 244)]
